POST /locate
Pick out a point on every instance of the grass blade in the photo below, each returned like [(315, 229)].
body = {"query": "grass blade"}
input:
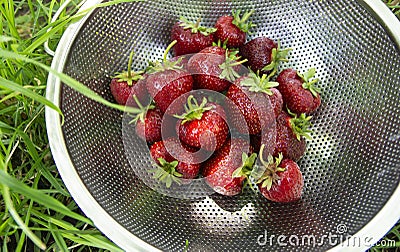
[(39, 196), (68, 81), (7, 84), (62, 246), (17, 218)]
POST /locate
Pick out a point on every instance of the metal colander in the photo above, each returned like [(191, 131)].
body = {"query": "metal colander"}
[(351, 167)]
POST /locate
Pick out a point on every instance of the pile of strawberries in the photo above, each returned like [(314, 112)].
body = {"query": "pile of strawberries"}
[(274, 115)]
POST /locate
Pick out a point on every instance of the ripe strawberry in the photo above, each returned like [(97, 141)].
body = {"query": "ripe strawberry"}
[(128, 83), (251, 96), (203, 126), (191, 37), (291, 132), (167, 81), (214, 68), (298, 91), (263, 54), (228, 168), (233, 29), (276, 101), (282, 180), (148, 127), (174, 163)]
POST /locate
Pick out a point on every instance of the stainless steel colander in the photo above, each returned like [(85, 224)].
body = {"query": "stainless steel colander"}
[(351, 167)]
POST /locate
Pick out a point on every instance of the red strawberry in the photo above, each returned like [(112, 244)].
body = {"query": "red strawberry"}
[(282, 180), (263, 54), (291, 132), (167, 81), (174, 163), (228, 167), (298, 91), (191, 37), (276, 101), (233, 29), (149, 127), (214, 68), (203, 126), (250, 95), (126, 84)]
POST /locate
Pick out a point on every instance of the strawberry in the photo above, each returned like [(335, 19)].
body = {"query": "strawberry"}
[(282, 180), (128, 83), (298, 91), (167, 81), (174, 163), (191, 37), (203, 126), (214, 68), (228, 167), (290, 133), (276, 101), (233, 29), (149, 127), (251, 96), (263, 54)]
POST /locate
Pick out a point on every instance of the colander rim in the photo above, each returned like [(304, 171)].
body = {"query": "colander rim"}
[(375, 229)]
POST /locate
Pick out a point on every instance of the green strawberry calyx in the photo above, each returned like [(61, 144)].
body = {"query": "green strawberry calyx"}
[(165, 64), (128, 76), (271, 169), (277, 55), (242, 22), (246, 169), (166, 172), (193, 110), (231, 60), (300, 125), (222, 44), (308, 83), (139, 113), (196, 27), (259, 84)]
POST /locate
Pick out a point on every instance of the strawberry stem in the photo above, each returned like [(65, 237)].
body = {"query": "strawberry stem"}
[(142, 110), (270, 175), (129, 76), (130, 64), (300, 125), (257, 84), (228, 72), (308, 83), (277, 55), (245, 170), (196, 27), (166, 172), (241, 22), (168, 49), (193, 111)]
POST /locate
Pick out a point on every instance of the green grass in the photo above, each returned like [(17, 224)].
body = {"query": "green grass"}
[(36, 210)]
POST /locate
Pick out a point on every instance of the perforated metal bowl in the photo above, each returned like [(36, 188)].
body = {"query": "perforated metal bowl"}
[(351, 168)]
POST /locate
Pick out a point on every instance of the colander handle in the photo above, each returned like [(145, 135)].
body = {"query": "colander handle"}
[(54, 18)]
